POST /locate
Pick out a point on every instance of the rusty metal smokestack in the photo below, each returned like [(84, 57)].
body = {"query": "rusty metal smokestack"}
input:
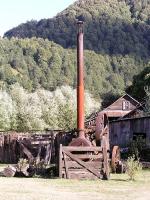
[(80, 80), (81, 140)]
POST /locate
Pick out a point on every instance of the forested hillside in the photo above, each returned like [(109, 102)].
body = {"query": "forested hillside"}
[(111, 26), (117, 43), (38, 63)]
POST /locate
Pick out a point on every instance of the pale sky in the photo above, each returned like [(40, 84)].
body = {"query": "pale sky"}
[(14, 12)]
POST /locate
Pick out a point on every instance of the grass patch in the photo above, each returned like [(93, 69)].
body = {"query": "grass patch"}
[(117, 188), (2, 166)]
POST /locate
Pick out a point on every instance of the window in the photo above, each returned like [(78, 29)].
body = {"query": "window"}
[(125, 105)]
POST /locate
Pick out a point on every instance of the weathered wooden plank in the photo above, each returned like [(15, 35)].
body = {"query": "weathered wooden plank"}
[(66, 165), (106, 161), (74, 164), (39, 141), (1, 148), (84, 149), (38, 155), (26, 151), (60, 161), (90, 169), (82, 174), (48, 154), (88, 156)]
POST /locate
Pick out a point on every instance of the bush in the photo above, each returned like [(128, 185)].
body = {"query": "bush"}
[(137, 146), (133, 167)]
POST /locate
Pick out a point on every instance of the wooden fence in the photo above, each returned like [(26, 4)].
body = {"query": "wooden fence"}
[(14, 145)]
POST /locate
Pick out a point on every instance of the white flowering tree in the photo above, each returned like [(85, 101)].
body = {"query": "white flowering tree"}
[(49, 108), (66, 101), (29, 111), (42, 109), (7, 112)]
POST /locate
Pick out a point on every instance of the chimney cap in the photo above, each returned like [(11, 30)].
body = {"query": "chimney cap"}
[(80, 22), (80, 26)]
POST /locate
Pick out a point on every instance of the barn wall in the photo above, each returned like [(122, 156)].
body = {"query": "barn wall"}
[(121, 131)]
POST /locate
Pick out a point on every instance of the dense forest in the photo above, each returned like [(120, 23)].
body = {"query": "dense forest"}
[(38, 63), (117, 43), (111, 26)]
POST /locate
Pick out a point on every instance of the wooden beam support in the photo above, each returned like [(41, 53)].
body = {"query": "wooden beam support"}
[(60, 161)]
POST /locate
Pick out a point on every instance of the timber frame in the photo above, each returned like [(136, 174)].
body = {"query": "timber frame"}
[(83, 162)]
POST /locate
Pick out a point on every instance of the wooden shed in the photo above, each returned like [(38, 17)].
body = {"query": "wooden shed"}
[(126, 106), (121, 107), (123, 131)]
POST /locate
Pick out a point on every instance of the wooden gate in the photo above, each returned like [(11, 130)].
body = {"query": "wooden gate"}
[(83, 162)]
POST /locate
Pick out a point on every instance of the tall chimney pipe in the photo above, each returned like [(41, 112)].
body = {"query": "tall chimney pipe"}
[(80, 81), (81, 140)]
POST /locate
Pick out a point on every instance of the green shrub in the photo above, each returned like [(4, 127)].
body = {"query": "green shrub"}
[(136, 146), (133, 167)]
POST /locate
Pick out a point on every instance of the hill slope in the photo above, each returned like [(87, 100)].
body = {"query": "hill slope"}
[(112, 26), (117, 30), (38, 63)]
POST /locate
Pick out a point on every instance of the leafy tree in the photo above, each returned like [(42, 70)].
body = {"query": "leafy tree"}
[(42, 109), (7, 112), (147, 101), (28, 108), (140, 81), (66, 117)]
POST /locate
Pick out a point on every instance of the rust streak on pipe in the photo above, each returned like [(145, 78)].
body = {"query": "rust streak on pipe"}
[(80, 81)]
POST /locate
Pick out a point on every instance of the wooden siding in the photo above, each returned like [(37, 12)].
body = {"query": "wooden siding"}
[(121, 131)]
